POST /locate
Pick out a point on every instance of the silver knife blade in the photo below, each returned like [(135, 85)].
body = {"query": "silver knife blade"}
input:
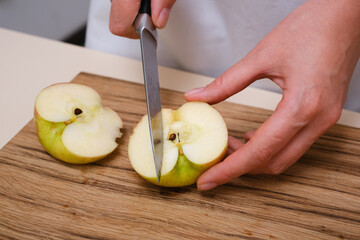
[(148, 42)]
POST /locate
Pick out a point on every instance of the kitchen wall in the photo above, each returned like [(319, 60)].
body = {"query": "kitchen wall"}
[(54, 19)]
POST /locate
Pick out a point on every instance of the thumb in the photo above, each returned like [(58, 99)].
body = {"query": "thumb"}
[(161, 11), (235, 79)]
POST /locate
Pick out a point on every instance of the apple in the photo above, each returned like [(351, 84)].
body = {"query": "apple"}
[(73, 126), (195, 138)]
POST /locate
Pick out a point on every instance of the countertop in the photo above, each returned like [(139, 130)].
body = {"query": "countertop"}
[(27, 62)]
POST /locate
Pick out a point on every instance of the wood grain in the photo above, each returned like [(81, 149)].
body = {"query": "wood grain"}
[(42, 198)]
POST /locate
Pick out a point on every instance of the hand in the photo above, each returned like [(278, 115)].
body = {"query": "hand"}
[(311, 55), (124, 12)]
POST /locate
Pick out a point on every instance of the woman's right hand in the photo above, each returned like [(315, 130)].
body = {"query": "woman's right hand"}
[(124, 12)]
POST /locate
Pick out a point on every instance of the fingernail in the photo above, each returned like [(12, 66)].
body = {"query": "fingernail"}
[(163, 17), (206, 186), (194, 91)]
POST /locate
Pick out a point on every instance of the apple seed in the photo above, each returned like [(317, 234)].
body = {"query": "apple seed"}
[(172, 136), (78, 111)]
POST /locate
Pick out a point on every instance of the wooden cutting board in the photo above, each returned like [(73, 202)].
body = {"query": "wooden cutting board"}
[(42, 198)]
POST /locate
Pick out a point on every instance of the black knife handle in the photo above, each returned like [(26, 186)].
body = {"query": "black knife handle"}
[(145, 7)]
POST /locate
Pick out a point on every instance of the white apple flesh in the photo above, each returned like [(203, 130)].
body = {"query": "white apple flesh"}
[(73, 126), (195, 138)]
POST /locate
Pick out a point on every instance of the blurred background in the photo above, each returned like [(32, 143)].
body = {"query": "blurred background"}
[(63, 20)]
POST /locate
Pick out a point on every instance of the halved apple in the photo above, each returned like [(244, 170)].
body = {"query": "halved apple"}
[(73, 126), (195, 138)]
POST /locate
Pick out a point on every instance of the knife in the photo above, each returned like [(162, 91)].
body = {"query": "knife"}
[(148, 41)]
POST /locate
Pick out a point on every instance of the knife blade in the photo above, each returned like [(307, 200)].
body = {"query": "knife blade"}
[(148, 42)]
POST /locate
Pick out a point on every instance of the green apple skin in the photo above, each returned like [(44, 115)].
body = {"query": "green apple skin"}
[(185, 172), (49, 135)]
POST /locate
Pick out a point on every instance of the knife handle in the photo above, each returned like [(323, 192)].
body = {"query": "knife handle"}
[(145, 7)]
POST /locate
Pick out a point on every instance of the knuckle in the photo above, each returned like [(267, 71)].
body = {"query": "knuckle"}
[(276, 169), (312, 102), (228, 175), (221, 83), (305, 107), (333, 115), (168, 3), (262, 155), (119, 29), (310, 107), (230, 170), (116, 29)]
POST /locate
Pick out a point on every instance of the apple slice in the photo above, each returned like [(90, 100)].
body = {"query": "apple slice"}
[(195, 138), (73, 126)]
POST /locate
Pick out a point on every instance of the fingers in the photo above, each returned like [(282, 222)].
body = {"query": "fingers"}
[(122, 16), (277, 144), (290, 153), (233, 145), (267, 141), (248, 136), (124, 12), (235, 79), (298, 145), (160, 11)]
